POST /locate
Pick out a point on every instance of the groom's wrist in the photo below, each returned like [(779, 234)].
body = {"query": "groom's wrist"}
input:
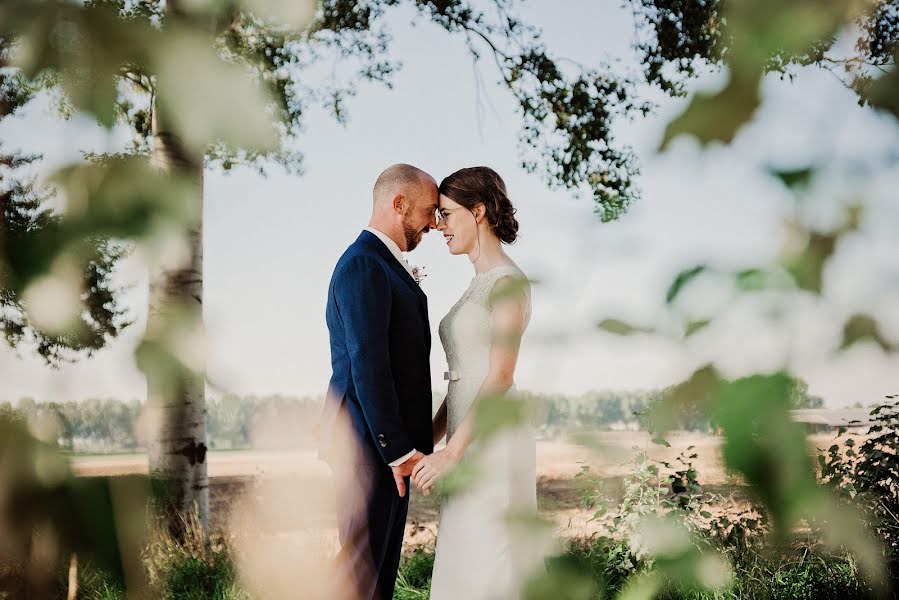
[(403, 458)]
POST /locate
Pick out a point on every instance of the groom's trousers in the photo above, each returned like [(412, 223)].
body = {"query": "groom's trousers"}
[(371, 521)]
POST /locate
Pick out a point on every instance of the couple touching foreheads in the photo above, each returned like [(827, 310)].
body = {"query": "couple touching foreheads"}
[(378, 433)]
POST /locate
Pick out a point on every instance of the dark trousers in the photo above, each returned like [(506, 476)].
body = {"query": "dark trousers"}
[(371, 521)]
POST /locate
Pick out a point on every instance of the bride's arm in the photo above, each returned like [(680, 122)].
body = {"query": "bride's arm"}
[(508, 320), (440, 422)]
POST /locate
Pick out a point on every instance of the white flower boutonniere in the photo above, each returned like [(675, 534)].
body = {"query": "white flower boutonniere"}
[(418, 273)]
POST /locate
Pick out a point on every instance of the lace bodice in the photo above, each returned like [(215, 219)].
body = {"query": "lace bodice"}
[(465, 333)]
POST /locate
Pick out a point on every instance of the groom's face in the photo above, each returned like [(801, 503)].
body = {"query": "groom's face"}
[(420, 214)]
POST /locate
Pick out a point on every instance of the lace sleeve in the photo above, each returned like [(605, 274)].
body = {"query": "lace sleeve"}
[(511, 286)]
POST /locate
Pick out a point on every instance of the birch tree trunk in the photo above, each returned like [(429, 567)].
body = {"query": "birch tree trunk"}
[(177, 450)]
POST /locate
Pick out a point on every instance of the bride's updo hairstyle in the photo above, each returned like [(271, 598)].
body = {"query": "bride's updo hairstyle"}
[(473, 185)]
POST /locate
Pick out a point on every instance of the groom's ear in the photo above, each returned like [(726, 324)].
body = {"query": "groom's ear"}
[(399, 204)]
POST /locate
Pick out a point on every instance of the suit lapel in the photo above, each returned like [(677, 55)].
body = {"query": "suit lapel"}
[(379, 247)]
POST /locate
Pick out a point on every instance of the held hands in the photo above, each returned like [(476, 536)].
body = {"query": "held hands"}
[(432, 468), (404, 470)]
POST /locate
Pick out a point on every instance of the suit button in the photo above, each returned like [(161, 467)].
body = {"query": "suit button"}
[(383, 444)]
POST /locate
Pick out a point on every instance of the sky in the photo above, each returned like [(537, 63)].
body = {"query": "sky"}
[(271, 243)]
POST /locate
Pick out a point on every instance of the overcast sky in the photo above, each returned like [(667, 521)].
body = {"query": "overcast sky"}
[(270, 243)]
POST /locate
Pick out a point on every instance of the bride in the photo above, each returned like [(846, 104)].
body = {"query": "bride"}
[(479, 551)]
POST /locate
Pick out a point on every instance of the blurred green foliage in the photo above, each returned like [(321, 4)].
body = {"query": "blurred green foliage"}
[(36, 241), (48, 514), (679, 40)]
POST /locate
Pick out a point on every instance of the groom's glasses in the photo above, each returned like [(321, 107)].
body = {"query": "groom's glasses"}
[(444, 212)]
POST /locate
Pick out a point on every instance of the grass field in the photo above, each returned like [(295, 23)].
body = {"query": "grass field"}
[(274, 527), (287, 493)]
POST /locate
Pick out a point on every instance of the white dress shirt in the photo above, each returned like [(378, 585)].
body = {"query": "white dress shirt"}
[(391, 245), (398, 255)]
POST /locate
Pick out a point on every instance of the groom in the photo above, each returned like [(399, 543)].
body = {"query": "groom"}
[(377, 417)]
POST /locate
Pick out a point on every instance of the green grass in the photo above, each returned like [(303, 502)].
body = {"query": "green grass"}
[(185, 579), (194, 568), (413, 582), (584, 572)]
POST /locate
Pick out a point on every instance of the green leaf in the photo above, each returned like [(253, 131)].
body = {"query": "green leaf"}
[(793, 178), (695, 395), (696, 326), (619, 327), (884, 91), (766, 447), (681, 280), (807, 266), (292, 15), (716, 117), (120, 198), (767, 29), (193, 80), (762, 33), (494, 413), (458, 480), (86, 45), (125, 197), (509, 288), (566, 577), (861, 327), (750, 280), (168, 352), (101, 519)]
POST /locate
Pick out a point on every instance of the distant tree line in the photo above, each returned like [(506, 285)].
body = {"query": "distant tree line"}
[(106, 425), (629, 409)]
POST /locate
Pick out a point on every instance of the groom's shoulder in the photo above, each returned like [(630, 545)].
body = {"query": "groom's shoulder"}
[(360, 249), (360, 253)]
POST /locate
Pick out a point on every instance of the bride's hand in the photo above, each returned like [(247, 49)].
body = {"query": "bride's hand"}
[(431, 469)]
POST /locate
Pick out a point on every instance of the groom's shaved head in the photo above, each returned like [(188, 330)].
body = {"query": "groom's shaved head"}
[(405, 205), (399, 179)]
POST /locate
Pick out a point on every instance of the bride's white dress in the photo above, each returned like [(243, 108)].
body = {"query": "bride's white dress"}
[(480, 552)]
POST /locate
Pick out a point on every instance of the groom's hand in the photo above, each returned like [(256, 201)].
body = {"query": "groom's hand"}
[(405, 470)]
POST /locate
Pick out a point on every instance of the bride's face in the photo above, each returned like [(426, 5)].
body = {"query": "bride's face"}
[(458, 226)]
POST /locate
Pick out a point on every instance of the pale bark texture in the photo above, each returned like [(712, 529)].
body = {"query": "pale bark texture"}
[(177, 449)]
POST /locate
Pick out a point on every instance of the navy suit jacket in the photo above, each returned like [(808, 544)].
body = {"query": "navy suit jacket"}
[(378, 406)]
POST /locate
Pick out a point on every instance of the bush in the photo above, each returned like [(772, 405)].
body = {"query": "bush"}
[(866, 475)]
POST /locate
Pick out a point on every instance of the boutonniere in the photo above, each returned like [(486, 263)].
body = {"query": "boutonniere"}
[(418, 273)]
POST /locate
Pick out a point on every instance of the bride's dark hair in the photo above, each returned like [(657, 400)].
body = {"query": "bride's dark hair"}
[(473, 185)]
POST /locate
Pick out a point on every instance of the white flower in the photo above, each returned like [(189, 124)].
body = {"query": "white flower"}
[(418, 273)]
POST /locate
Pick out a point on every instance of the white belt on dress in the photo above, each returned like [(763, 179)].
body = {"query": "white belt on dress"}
[(457, 375)]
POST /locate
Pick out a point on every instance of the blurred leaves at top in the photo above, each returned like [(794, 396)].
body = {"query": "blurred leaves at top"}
[(682, 39), (122, 61)]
